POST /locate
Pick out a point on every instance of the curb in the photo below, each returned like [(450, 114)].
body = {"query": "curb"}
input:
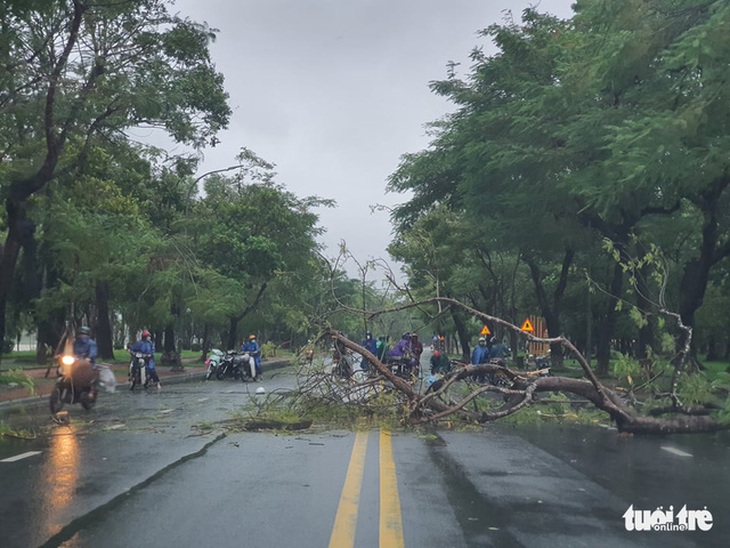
[(276, 363)]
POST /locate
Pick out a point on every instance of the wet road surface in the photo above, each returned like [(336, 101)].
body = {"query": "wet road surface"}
[(142, 472)]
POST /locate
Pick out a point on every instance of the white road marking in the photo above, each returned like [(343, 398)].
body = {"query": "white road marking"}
[(166, 411), (201, 400), (21, 456), (674, 451)]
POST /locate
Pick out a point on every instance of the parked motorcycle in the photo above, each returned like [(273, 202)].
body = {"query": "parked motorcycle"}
[(214, 359), (499, 378), (540, 364), (77, 383), (237, 365)]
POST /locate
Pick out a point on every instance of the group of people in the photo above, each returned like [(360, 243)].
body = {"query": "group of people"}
[(487, 350), (85, 347), (408, 349)]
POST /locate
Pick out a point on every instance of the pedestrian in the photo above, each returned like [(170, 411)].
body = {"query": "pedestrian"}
[(416, 347), (480, 355)]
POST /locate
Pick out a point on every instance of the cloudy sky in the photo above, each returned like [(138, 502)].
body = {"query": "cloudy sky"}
[(334, 92)]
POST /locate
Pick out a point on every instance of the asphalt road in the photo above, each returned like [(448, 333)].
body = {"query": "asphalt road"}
[(155, 469)]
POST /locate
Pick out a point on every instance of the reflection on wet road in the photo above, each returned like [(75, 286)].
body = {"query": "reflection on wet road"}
[(140, 470), (58, 480)]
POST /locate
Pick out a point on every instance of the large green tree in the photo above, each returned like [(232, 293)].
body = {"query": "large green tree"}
[(76, 70)]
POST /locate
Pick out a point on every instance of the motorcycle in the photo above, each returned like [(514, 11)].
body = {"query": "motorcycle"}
[(138, 373), (499, 378), (237, 365), (77, 383), (405, 367), (343, 365), (543, 366), (214, 359)]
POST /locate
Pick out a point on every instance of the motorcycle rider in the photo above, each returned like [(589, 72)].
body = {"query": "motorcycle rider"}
[(382, 348), (254, 350), (402, 348), (497, 350), (86, 372), (84, 346), (147, 347), (403, 352), (369, 344)]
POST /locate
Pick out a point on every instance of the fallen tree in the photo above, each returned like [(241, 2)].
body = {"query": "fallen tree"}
[(438, 404)]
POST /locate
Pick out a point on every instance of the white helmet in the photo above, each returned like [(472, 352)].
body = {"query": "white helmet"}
[(261, 390)]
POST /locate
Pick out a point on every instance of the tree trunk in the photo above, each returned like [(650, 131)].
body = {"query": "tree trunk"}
[(232, 332), (550, 306), (17, 224), (104, 339), (169, 340), (607, 326), (462, 334), (696, 272), (712, 353)]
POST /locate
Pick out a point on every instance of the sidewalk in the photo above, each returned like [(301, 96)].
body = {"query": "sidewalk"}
[(193, 370)]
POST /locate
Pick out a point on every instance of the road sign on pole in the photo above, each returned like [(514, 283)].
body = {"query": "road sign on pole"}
[(485, 331), (527, 326)]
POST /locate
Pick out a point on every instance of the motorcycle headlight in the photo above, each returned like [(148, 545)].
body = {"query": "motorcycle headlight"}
[(67, 360)]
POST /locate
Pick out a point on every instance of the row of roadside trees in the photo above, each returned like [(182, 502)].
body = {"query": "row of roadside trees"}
[(583, 175), (98, 228)]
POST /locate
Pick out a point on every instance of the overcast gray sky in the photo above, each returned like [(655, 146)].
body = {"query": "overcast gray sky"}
[(334, 91)]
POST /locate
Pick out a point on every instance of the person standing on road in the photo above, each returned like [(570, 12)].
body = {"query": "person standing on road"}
[(147, 347), (480, 355), (416, 347), (254, 350), (371, 345)]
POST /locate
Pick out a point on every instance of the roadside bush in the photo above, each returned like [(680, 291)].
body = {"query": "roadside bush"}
[(16, 376)]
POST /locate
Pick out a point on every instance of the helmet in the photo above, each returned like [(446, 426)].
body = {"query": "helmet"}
[(145, 333), (251, 337), (84, 330), (261, 390), (493, 340), (437, 353), (414, 335), (482, 340), (406, 335)]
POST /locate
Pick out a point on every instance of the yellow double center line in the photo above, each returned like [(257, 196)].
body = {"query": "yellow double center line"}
[(391, 524)]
